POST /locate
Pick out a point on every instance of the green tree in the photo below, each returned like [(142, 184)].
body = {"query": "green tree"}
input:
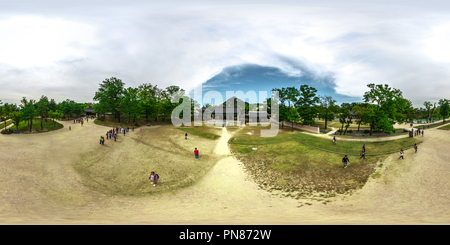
[(293, 116), (110, 94), (148, 99), (327, 103), (77, 109), (42, 109), (6, 110), (55, 115), (16, 117), (383, 113), (428, 106), (361, 114), (29, 111), (344, 119), (444, 109), (52, 106), (129, 104), (306, 104), (282, 108)]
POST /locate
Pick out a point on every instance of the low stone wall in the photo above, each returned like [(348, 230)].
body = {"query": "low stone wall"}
[(312, 129)]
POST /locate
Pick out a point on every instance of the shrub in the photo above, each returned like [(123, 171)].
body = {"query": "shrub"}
[(366, 131), (350, 131), (340, 130), (7, 131)]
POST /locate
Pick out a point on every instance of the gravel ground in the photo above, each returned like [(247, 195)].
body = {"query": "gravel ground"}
[(40, 184)]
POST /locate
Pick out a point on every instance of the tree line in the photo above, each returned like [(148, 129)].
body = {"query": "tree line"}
[(381, 108), (146, 100), (44, 109)]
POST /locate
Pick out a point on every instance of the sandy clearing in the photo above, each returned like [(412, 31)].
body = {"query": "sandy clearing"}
[(43, 188)]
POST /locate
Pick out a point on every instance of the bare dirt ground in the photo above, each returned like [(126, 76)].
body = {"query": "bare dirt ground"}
[(41, 182)]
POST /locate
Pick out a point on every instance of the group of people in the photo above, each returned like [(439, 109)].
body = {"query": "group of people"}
[(345, 160), (417, 132), (114, 133), (79, 120), (402, 153)]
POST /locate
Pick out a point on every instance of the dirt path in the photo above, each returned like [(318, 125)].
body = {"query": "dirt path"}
[(41, 187)]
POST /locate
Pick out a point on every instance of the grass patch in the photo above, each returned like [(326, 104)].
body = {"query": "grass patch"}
[(48, 125), (347, 147), (292, 166), (446, 127), (203, 131), (376, 175)]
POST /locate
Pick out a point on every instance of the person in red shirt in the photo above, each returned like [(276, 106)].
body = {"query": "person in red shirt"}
[(196, 153)]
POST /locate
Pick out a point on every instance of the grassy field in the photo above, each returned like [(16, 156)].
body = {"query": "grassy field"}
[(203, 131), (292, 166), (36, 127)]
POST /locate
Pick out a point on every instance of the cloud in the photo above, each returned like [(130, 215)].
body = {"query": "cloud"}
[(341, 46)]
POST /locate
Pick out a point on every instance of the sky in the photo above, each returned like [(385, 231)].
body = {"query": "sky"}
[(65, 49)]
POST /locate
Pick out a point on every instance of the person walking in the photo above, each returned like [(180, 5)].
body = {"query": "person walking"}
[(115, 137), (100, 140), (345, 160), (422, 132), (70, 128), (103, 141), (107, 132), (123, 129), (363, 155), (415, 148), (196, 153), (128, 129), (364, 147), (132, 129), (185, 136), (334, 140), (141, 130), (153, 178), (73, 121), (401, 154)]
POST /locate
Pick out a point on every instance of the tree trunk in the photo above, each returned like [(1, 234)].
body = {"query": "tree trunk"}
[(342, 129), (42, 127), (359, 124), (371, 127), (31, 124)]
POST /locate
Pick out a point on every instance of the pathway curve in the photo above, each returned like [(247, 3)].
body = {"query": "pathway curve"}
[(360, 139)]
